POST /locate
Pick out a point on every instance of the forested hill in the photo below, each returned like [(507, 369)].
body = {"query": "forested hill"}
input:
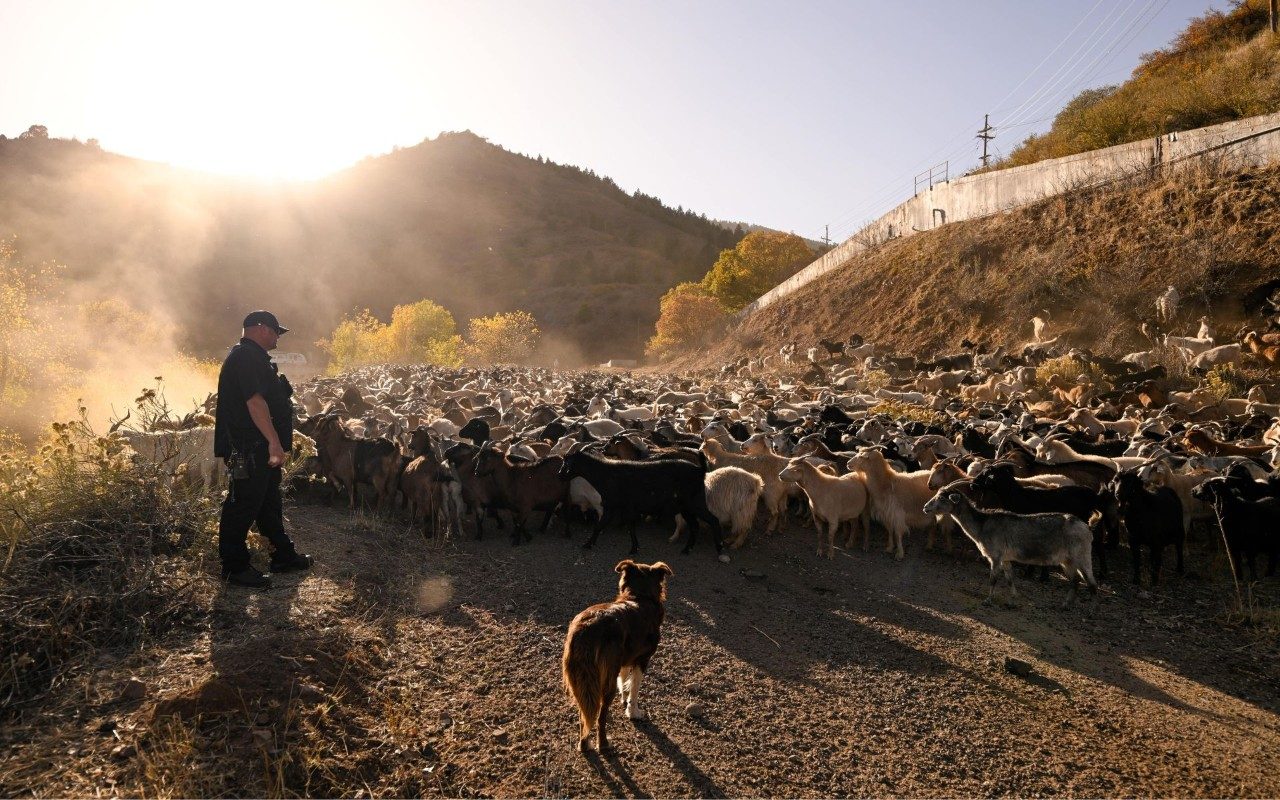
[(456, 219)]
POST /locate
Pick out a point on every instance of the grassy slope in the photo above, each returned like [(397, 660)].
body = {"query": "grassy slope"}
[(1223, 66), (1095, 259)]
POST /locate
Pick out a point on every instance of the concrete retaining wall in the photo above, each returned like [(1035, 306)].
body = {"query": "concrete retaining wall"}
[(1246, 142)]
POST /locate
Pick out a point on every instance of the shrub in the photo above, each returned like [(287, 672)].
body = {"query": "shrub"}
[(94, 554), (419, 333), (762, 260), (1225, 380), (1068, 368)]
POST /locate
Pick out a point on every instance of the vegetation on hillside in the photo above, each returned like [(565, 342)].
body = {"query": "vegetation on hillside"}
[(690, 313), (506, 338), (1096, 259), (477, 228), (1224, 66), (688, 316)]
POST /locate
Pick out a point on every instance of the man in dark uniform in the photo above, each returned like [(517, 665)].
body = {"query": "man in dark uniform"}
[(253, 423)]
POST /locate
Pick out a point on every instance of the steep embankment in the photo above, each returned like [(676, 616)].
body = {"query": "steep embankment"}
[(456, 219), (1095, 259)]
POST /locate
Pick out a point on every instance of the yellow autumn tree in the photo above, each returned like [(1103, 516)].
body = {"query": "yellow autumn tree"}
[(509, 337), (419, 333), (688, 317), (762, 260)]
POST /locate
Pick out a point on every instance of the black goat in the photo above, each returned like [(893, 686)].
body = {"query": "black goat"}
[(1153, 518), (998, 480), (630, 489), (1248, 527), (476, 429)]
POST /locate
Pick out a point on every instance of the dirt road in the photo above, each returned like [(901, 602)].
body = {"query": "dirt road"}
[(402, 666)]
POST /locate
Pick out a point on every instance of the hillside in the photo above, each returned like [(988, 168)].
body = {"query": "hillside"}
[(1095, 259), (1223, 66), (456, 219)]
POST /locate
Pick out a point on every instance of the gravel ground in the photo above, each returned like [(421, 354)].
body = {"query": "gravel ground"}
[(402, 666)]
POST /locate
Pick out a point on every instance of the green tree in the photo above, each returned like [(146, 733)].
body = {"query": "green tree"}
[(762, 260)]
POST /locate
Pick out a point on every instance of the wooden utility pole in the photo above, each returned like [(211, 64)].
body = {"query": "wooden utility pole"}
[(988, 133)]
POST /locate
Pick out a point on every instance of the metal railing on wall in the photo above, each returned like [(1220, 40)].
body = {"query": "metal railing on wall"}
[(938, 173)]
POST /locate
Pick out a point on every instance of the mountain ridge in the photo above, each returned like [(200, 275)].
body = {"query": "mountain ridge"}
[(458, 219)]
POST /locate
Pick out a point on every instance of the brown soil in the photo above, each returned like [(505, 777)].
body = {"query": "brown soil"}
[(403, 666)]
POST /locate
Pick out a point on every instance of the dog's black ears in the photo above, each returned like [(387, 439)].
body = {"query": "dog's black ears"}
[(622, 565), (661, 567)]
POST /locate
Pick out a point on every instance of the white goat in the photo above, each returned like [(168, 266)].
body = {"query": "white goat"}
[(1167, 305), (764, 465), (896, 499), (732, 496), (1217, 356), (190, 450)]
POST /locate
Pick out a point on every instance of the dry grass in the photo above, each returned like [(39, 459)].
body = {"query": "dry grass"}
[(1096, 259), (1223, 67)]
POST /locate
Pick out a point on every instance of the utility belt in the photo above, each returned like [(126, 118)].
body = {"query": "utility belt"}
[(245, 453)]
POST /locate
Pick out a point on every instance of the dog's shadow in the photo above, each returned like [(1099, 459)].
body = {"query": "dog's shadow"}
[(624, 785), (700, 783), (621, 783)]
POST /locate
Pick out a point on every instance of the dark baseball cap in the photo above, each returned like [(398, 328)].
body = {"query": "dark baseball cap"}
[(264, 318)]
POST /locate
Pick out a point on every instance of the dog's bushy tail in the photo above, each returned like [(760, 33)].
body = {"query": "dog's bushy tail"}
[(585, 677)]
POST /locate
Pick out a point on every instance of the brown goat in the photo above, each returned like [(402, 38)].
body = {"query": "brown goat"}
[(522, 487), (1269, 353), (347, 460), (1197, 439)]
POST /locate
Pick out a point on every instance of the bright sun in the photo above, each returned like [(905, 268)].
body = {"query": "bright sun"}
[(262, 89)]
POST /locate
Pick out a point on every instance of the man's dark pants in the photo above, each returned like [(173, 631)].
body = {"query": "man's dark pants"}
[(254, 499)]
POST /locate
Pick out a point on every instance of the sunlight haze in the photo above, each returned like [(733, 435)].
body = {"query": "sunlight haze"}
[(792, 116)]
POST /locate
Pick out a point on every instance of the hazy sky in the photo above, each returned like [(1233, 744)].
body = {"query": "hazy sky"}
[(787, 114)]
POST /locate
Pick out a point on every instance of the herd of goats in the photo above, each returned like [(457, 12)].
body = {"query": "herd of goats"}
[(1048, 470)]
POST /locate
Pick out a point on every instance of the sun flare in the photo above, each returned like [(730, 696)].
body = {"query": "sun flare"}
[(265, 90)]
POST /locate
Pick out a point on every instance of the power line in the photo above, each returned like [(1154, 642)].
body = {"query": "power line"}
[(1029, 106), (1078, 78)]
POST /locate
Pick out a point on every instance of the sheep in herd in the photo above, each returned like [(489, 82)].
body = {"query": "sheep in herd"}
[(631, 489), (1193, 346), (732, 496), (1005, 538), (833, 501), (896, 499), (1152, 517), (1167, 305), (1056, 451), (1269, 353), (1216, 357), (766, 466), (1158, 473), (1038, 327)]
